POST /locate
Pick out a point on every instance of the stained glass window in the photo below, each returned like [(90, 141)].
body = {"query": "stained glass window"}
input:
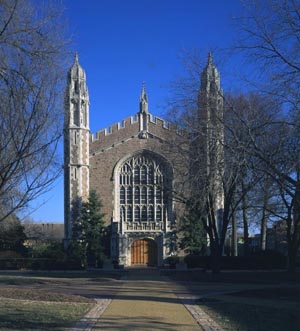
[(142, 186)]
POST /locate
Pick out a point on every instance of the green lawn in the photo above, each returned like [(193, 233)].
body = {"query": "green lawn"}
[(256, 300), (274, 309), (48, 278), (19, 280), (39, 315), (26, 308)]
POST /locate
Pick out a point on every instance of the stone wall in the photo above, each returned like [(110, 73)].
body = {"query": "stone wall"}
[(108, 147)]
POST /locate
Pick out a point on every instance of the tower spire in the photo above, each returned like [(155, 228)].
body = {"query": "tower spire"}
[(210, 59), (143, 100), (143, 114), (76, 61)]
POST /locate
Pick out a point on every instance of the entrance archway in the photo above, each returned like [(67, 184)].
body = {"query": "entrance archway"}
[(144, 252)]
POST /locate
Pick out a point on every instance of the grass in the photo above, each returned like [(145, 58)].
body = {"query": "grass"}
[(39, 315), (236, 277), (271, 309), (40, 295), (259, 301), (256, 300), (25, 307), (81, 275), (44, 277), (19, 280)]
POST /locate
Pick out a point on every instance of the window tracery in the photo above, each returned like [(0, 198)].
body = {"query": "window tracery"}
[(142, 189)]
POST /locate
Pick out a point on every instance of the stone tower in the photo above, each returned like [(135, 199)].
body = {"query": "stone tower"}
[(210, 106), (76, 144)]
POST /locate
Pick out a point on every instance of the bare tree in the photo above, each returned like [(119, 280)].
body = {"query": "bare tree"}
[(214, 159), (271, 38), (32, 50), (261, 130)]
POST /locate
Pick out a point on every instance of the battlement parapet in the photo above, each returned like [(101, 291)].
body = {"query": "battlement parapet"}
[(164, 124), (115, 127), (133, 120), (158, 121)]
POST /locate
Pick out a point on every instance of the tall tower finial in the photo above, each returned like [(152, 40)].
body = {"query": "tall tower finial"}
[(143, 114), (210, 58), (210, 78), (143, 99), (76, 58), (143, 93)]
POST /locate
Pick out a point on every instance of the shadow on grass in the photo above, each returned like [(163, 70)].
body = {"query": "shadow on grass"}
[(77, 274), (149, 286), (259, 314), (250, 277), (246, 317), (290, 294)]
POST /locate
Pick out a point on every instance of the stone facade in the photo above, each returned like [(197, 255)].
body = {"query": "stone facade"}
[(131, 167), (76, 143)]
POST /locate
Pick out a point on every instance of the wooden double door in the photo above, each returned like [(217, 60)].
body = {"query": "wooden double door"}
[(144, 252)]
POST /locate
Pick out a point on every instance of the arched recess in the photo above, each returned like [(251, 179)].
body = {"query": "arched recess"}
[(144, 252), (143, 186)]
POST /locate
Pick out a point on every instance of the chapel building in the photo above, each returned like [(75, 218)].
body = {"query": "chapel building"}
[(132, 168)]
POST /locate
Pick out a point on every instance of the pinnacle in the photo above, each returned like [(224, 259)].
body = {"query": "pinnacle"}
[(143, 100), (143, 88), (143, 93), (210, 59), (76, 58)]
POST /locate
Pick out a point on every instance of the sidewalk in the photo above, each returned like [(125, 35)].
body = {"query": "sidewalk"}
[(146, 302)]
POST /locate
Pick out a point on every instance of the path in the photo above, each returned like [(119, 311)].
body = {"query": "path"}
[(146, 302)]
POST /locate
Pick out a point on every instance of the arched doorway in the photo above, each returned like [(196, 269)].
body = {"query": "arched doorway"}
[(144, 252)]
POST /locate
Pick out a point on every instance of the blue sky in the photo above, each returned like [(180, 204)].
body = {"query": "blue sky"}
[(122, 43)]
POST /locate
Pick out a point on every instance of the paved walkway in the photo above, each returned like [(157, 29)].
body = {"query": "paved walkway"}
[(146, 302)]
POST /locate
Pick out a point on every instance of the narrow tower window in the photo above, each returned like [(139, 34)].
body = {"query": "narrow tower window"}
[(76, 86)]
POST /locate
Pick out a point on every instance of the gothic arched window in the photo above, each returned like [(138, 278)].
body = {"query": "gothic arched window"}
[(144, 195), (136, 195), (144, 214), (151, 213), (129, 195), (136, 214), (122, 195), (158, 214), (143, 186), (129, 214)]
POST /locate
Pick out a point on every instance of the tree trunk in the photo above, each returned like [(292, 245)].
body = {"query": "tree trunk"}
[(215, 262), (291, 259), (263, 231), (234, 250), (264, 218), (293, 231), (245, 226)]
